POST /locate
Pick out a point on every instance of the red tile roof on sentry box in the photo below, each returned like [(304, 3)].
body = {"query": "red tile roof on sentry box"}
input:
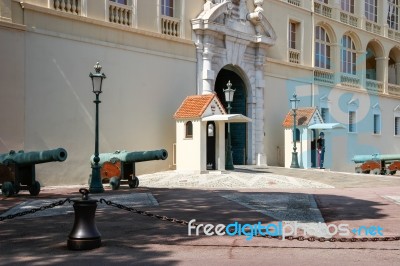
[(194, 106), (303, 117)]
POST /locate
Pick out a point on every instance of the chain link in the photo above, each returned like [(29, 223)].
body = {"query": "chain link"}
[(184, 222), (42, 208), (145, 213), (335, 239), (291, 238)]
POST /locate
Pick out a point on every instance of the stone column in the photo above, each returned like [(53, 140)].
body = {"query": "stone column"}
[(199, 67), (360, 69), (360, 13), (259, 110), (382, 71), (336, 61), (208, 73), (383, 18), (336, 9)]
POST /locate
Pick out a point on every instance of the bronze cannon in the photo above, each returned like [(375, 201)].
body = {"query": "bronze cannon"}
[(17, 169), (120, 165), (377, 163)]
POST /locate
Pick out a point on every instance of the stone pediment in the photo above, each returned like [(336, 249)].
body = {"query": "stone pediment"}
[(233, 18)]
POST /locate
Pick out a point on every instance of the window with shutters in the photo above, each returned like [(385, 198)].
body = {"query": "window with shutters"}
[(377, 124)]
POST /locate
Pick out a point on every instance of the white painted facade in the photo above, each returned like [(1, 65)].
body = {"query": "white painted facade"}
[(153, 61)]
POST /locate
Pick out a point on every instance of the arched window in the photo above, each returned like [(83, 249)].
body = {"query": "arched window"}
[(210, 130), (370, 63), (189, 130), (348, 56), (322, 48)]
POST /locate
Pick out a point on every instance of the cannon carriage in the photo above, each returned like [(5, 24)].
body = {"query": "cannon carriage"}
[(17, 169), (120, 165), (377, 163)]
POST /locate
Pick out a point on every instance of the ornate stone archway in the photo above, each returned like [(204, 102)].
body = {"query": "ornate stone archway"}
[(227, 33)]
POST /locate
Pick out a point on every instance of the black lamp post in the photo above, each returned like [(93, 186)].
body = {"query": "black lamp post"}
[(96, 185), (294, 102), (229, 92)]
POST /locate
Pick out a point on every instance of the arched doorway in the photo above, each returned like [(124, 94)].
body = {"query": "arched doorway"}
[(239, 106)]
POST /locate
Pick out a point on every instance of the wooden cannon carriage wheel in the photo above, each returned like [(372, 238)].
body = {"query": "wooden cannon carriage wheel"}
[(111, 172)]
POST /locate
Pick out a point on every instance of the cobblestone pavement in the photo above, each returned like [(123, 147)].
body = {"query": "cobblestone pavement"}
[(241, 178), (267, 177)]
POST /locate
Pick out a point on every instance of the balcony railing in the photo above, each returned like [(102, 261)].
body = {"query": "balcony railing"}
[(120, 14), (322, 9), (350, 80), (294, 2), (394, 89), (68, 6), (374, 86), (323, 76), (349, 19), (373, 27), (294, 56), (393, 34), (170, 26)]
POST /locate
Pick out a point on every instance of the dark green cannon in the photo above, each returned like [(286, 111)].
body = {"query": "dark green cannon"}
[(17, 169), (377, 163), (121, 165)]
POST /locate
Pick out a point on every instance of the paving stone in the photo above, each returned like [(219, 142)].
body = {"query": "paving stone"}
[(130, 200)]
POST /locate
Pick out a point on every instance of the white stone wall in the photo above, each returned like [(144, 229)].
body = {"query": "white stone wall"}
[(12, 98), (188, 150), (53, 101), (288, 147)]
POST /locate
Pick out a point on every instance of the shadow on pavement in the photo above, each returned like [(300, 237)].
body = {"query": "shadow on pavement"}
[(136, 239)]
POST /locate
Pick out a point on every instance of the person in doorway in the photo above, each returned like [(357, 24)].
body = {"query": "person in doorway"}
[(321, 150), (313, 153)]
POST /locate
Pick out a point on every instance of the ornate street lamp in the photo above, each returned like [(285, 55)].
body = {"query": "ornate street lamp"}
[(294, 102), (96, 185), (229, 92)]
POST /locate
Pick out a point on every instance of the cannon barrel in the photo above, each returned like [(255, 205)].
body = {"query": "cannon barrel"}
[(34, 157), (131, 157), (378, 157)]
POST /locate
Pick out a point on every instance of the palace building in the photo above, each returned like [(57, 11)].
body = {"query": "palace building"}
[(340, 57)]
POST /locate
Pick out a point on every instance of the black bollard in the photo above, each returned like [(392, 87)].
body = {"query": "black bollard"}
[(84, 234)]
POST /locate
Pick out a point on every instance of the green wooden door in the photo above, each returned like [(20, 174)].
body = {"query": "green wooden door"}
[(239, 106)]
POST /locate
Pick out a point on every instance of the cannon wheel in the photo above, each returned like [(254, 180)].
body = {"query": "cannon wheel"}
[(7, 189), (34, 189), (134, 183), (114, 183), (376, 171), (392, 172)]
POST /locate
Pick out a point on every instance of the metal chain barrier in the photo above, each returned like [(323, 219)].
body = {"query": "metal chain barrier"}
[(42, 208), (145, 213), (291, 238), (184, 222)]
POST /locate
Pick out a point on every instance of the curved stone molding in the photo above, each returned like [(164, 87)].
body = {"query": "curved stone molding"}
[(227, 34)]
